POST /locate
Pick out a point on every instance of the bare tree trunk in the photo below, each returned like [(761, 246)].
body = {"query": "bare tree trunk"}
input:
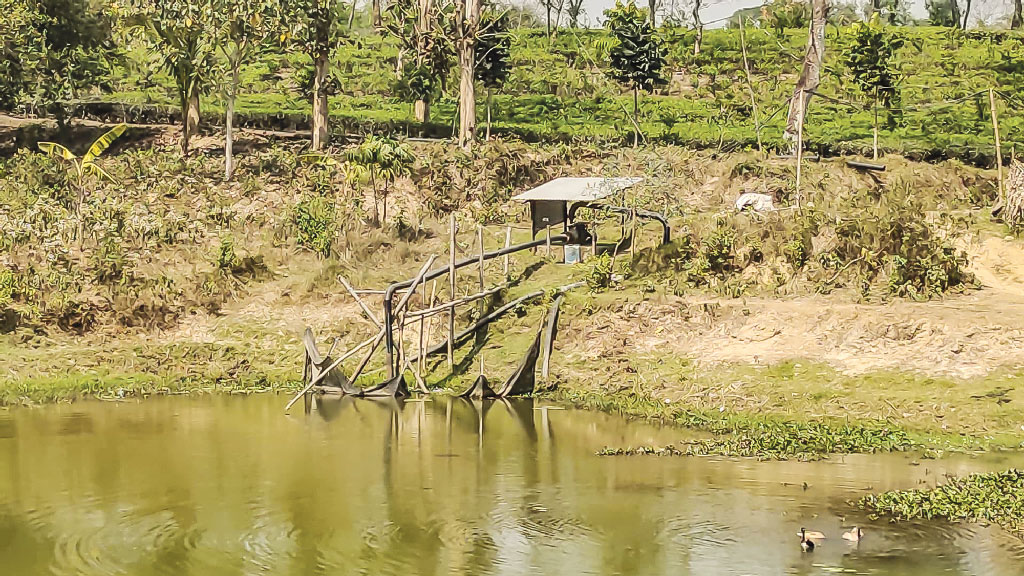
[(810, 76), (191, 116), (321, 137), (469, 21), (1015, 23), (423, 32), (422, 110), (653, 7), (954, 12), (352, 15), (967, 15), (699, 26), (229, 118), (375, 10), (488, 136), (547, 5)]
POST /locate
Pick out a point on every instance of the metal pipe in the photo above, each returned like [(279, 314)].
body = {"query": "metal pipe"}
[(666, 235), (389, 293)]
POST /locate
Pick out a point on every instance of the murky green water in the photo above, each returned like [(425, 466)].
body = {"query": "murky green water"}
[(229, 485)]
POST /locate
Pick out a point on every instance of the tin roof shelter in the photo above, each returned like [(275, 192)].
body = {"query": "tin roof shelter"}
[(556, 202), (549, 202)]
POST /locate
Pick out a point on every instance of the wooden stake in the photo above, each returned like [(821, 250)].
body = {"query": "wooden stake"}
[(999, 150), (508, 242), (632, 234), (547, 240), (451, 289), (419, 346), (799, 147), (874, 131), (480, 241)]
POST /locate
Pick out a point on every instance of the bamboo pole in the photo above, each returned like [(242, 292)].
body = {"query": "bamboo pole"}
[(451, 289), (632, 233), (366, 309), (999, 150), (508, 242), (480, 241), (429, 312), (313, 382), (799, 146), (420, 365), (750, 86)]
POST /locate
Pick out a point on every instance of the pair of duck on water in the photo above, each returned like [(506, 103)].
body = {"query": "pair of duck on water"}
[(808, 538)]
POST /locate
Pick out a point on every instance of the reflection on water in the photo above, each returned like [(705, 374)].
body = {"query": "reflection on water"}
[(231, 486)]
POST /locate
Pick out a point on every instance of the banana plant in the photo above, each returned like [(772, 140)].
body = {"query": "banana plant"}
[(84, 166)]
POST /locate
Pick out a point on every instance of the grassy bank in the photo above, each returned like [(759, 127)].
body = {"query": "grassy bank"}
[(185, 282)]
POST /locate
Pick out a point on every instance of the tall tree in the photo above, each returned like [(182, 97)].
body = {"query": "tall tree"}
[(20, 47), (652, 10), (698, 25), (556, 7), (492, 57), (50, 50), (419, 27), (574, 9), (467, 21), (637, 55), (1015, 22), (316, 27), (243, 27), (869, 54), (943, 13), (182, 33), (810, 75)]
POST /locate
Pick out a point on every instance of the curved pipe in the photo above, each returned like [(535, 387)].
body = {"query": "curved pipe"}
[(389, 293), (666, 235)]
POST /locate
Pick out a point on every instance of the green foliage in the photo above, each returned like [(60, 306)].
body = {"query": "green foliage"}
[(315, 27), (943, 13), (996, 497), (780, 15), (493, 49), (637, 57), (769, 440), (84, 166), (598, 272), (182, 34), (870, 54), (796, 252), (226, 257), (316, 224), (428, 38), (52, 50), (738, 436)]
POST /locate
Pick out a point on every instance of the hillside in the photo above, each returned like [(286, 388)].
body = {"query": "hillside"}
[(558, 91)]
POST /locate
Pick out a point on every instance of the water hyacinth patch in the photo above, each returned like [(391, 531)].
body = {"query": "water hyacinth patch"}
[(996, 497)]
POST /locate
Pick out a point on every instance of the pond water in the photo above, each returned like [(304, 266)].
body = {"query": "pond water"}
[(230, 485)]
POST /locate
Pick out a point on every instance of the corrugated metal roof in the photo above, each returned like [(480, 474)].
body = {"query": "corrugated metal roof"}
[(577, 189)]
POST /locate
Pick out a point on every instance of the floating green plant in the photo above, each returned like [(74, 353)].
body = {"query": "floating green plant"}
[(996, 497)]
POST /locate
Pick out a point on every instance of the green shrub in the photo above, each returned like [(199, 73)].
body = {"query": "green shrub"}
[(599, 272), (316, 224), (795, 252)]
